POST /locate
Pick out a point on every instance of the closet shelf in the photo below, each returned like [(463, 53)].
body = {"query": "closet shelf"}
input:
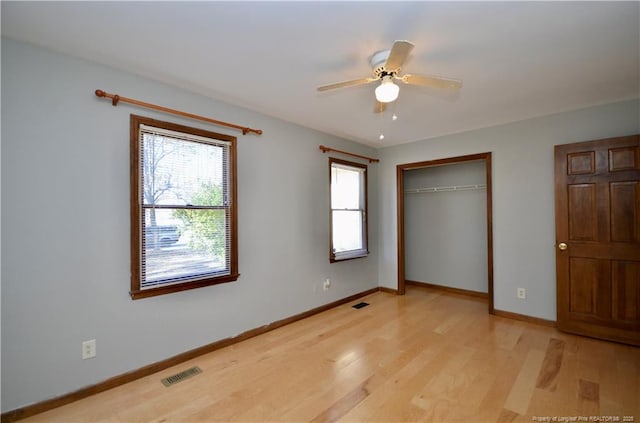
[(442, 189)]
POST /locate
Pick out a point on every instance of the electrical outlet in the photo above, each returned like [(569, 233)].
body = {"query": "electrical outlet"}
[(522, 293), (327, 284), (88, 349)]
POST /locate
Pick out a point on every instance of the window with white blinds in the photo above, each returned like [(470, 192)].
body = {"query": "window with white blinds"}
[(348, 210), (183, 196)]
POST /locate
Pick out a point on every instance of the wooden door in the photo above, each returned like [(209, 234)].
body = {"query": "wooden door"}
[(598, 238)]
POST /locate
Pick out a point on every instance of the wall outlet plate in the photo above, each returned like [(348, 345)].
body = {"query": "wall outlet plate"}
[(327, 284), (88, 349), (522, 293)]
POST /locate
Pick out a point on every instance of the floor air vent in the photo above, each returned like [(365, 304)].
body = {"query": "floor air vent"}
[(360, 305), (172, 380)]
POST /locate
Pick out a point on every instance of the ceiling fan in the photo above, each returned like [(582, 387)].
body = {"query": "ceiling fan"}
[(386, 65)]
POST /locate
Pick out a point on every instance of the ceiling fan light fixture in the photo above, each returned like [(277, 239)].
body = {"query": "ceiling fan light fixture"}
[(387, 91)]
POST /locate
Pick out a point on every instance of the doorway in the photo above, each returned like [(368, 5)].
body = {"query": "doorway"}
[(401, 173)]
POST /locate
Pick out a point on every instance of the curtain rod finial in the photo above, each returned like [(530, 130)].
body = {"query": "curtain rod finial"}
[(100, 93)]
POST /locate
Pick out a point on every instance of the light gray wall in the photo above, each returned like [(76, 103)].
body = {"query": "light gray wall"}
[(65, 222), (523, 197), (446, 232), (65, 228)]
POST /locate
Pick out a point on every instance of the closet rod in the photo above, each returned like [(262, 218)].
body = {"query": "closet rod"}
[(115, 98), (449, 188), (326, 149)]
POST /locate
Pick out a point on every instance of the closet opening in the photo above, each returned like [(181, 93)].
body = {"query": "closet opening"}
[(445, 235)]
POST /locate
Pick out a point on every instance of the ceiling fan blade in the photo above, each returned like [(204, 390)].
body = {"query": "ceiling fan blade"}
[(347, 84), (379, 107), (431, 81), (398, 55)]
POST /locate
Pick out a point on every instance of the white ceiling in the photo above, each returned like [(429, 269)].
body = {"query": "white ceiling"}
[(517, 60)]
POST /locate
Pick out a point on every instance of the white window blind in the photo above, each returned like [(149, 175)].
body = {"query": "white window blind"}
[(184, 187)]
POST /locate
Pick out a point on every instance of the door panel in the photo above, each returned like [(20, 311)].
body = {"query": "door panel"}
[(583, 213), (625, 211), (583, 283), (598, 220), (626, 290), (625, 158), (581, 163)]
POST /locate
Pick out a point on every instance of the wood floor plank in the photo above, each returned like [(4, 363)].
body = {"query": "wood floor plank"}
[(482, 371), (522, 389), (439, 397), (506, 416), (628, 379), (588, 391), (588, 398), (427, 356), (343, 405), (391, 396), (565, 395), (551, 365)]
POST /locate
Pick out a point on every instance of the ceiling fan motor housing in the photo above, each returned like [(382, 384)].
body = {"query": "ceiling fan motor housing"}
[(377, 63)]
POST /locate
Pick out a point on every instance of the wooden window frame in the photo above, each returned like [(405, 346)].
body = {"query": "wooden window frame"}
[(365, 223), (137, 212)]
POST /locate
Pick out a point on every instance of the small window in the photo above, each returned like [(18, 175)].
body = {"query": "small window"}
[(348, 210), (183, 208)]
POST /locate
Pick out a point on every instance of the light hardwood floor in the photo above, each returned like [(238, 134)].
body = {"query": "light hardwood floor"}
[(426, 356)]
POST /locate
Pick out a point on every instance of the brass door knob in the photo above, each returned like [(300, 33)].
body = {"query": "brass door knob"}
[(562, 246)]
